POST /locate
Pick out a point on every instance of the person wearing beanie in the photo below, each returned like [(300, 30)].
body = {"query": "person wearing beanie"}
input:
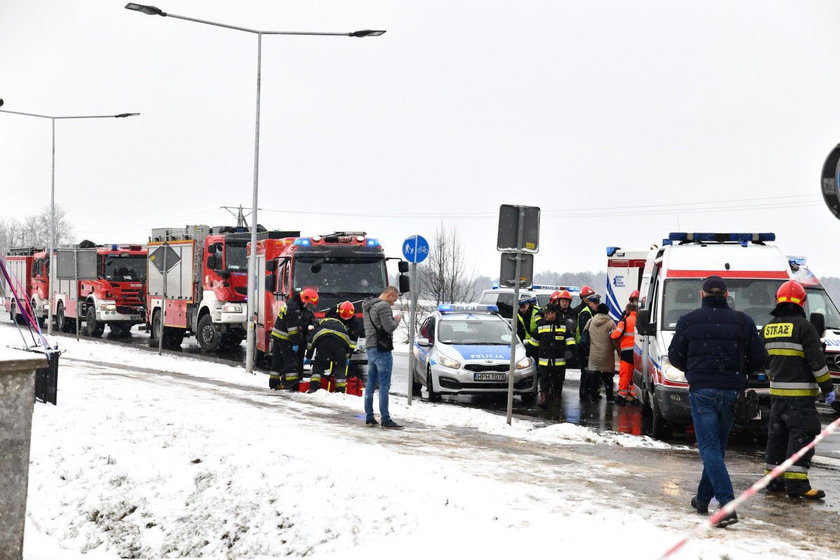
[(602, 350), (715, 346), (587, 391)]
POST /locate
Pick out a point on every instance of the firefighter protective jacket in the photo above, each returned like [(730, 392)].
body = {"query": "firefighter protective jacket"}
[(331, 335), (292, 323), (550, 342), (796, 363)]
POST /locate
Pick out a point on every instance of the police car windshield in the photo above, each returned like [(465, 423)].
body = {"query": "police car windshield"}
[(756, 298), (473, 331), (818, 301)]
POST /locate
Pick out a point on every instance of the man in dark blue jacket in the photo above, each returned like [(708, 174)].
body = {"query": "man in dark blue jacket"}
[(716, 347)]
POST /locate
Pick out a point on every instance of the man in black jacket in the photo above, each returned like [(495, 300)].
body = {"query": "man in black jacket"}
[(798, 373), (716, 347)]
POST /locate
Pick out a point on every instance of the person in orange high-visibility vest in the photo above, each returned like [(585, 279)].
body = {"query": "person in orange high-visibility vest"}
[(624, 334)]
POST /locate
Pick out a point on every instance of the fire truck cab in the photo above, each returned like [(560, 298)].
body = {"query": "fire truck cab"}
[(340, 266), (100, 284), (201, 274)]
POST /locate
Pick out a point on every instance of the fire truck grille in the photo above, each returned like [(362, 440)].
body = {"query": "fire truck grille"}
[(126, 309)]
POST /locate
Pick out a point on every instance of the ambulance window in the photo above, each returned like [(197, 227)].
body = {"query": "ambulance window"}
[(652, 300), (818, 301)]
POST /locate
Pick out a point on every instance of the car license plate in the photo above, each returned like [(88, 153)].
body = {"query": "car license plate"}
[(489, 376)]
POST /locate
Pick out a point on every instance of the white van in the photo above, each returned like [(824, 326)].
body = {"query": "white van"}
[(670, 287), (503, 297)]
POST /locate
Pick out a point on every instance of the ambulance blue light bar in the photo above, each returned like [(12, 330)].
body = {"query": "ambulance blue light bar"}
[(704, 237), (470, 308)]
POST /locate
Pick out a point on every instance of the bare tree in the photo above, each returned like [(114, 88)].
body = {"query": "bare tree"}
[(34, 231), (443, 277)]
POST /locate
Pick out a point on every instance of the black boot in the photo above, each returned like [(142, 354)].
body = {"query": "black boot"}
[(314, 386)]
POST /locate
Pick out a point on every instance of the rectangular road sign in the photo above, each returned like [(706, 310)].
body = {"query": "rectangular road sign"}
[(508, 238), (507, 277)]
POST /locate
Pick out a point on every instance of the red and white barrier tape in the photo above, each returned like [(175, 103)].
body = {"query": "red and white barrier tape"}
[(749, 492)]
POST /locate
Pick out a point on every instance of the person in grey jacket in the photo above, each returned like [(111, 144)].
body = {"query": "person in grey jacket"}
[(602, 351), (380, 325)]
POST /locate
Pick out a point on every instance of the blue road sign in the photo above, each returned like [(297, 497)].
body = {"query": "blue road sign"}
[(415, 249)]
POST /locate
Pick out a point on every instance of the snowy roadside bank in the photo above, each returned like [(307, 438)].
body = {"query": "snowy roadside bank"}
[(203, 461)]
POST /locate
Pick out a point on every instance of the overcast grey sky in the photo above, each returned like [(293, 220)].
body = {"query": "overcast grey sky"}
[(621, 120)]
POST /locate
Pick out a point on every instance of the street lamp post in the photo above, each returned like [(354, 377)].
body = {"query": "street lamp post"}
[(252, 260), (53, 118)]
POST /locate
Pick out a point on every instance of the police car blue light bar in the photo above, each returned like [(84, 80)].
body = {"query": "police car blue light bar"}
[(470, 308), (305, 241), (721, 237)]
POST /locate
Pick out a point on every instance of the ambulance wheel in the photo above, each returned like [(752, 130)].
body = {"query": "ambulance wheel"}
[(93, 328), (208, 337), (434, 396), (659, 428)]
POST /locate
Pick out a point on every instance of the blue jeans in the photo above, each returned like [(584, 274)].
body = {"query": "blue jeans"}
[(713, 412), (379, 373)]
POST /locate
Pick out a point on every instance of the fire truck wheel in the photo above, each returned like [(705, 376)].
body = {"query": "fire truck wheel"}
[(61, 324), (208, 337), (120, 330), (93, 328), (172, 337)]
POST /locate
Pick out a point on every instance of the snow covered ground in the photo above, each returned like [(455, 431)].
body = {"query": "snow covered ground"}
[(150, 456)]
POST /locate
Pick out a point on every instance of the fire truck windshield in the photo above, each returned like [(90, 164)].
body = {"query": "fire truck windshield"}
[(237, 257), (123, 268), (341, 275)]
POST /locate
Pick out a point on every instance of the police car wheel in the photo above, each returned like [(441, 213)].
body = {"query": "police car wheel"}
[(434, 396)]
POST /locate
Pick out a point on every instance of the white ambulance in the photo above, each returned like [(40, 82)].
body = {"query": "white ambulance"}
[(670, 287)]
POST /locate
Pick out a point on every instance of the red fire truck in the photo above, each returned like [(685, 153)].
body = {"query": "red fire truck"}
[(205, 272), (96, 284), (19, 263), (340, 266)]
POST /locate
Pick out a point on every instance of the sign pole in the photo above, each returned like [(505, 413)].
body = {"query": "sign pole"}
[(415, 250), (412, 274), (75, 283), (514, 318), (165, 246)]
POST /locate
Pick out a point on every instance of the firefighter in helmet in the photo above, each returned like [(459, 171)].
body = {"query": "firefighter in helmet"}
[(565, 314), (289, 336), (797, 372), (551, 344), (332, 343)]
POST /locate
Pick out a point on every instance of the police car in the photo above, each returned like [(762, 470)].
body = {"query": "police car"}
[(503, 297), (465, 349)]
